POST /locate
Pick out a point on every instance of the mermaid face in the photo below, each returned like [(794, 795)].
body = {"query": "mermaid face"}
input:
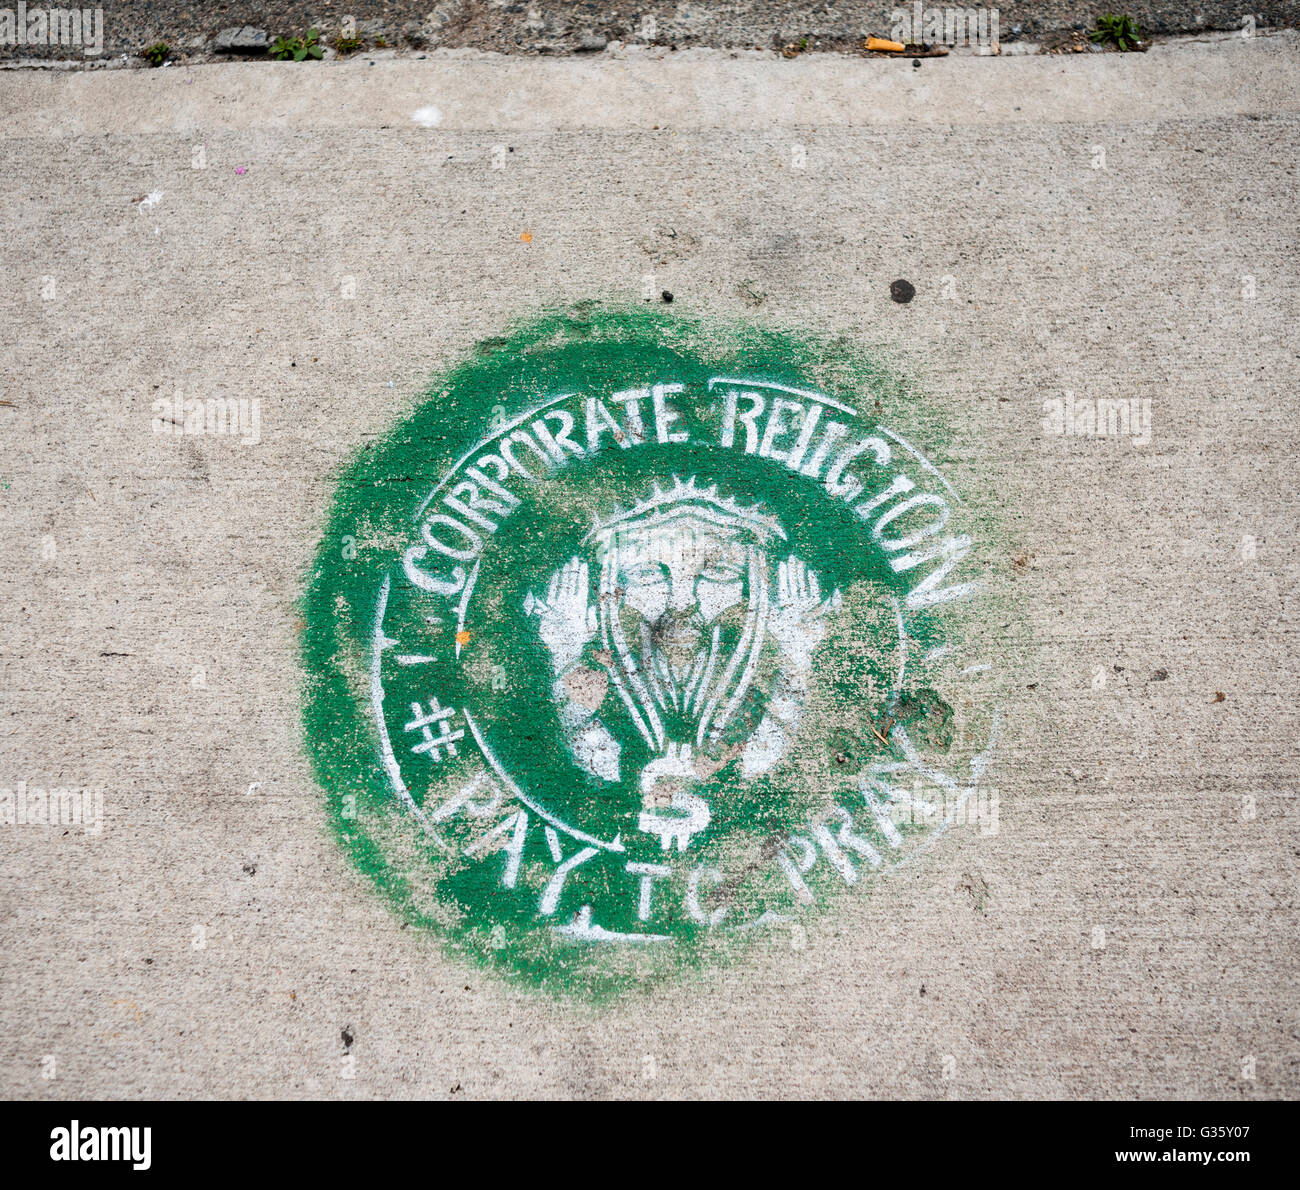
[(693, 591), (676, 580)]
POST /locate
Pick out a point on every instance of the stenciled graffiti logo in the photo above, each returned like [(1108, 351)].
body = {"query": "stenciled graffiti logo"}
[(634, 642)]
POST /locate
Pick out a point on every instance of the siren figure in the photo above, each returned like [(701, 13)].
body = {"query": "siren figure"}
[(687, 615)]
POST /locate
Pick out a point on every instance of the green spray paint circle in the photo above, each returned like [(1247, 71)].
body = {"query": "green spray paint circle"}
[(640, 639)]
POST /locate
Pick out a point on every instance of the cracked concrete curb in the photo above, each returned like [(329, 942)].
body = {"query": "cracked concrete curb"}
[(638, 53)]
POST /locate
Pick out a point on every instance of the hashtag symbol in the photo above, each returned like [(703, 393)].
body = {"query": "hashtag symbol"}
[(425, 722)]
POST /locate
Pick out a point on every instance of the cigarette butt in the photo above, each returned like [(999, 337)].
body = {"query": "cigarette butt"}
[(881, 43)]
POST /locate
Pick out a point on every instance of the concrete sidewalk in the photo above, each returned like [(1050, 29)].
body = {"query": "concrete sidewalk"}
[(322, 240)]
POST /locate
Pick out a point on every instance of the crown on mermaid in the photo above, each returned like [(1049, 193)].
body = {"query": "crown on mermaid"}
[(687, 502)]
